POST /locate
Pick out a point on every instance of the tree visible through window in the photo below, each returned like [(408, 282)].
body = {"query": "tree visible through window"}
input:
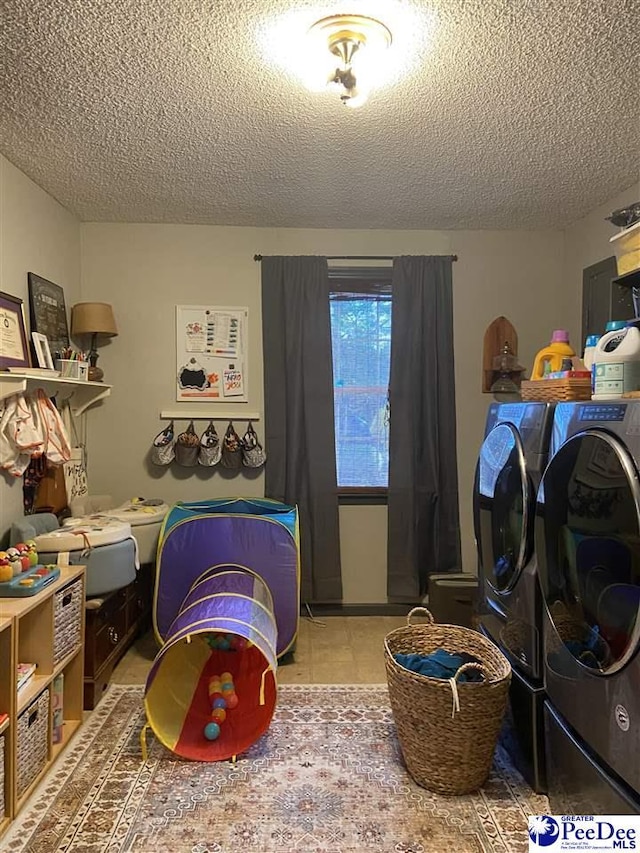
[(361, 342)]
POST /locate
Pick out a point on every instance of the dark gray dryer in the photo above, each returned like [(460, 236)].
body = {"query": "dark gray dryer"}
[(587, 540), (510, 465)]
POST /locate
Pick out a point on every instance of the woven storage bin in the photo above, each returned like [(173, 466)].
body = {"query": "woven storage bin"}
[(32, 741), (555, 390), (67, 620), (2, 806), (445, 751)]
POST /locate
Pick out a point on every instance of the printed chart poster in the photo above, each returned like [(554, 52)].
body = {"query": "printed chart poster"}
[(211, 348)]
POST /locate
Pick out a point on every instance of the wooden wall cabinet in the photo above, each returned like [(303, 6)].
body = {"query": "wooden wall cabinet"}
[(46, 629), (497, 334)]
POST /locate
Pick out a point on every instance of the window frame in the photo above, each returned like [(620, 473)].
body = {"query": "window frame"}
[(365, 280)]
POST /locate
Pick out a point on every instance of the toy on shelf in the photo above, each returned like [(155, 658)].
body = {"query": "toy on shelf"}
[(28, 582), (17, 560)]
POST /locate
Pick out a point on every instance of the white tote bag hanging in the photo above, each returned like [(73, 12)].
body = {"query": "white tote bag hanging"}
[(75, 469)]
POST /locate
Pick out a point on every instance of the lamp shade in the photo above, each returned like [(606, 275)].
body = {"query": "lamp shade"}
[(93, 318)]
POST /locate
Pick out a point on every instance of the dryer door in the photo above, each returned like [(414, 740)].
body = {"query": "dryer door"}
[(588, 549), (503, 508)]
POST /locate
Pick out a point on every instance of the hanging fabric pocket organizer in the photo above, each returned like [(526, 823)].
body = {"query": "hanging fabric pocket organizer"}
[(187, 447), (163, 448), (210, 447), (253, 455), (231, 449)]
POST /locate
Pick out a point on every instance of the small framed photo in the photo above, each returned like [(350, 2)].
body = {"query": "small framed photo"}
[(14, 350), (43, 353)]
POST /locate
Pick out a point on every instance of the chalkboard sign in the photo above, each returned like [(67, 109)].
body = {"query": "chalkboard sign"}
[(48, 312)]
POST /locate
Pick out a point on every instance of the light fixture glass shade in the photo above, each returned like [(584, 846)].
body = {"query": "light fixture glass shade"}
[(310, 61), (93, 318), (346, 51)]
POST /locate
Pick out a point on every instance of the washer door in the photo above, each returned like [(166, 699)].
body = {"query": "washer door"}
[(588, 548), (503, 508)]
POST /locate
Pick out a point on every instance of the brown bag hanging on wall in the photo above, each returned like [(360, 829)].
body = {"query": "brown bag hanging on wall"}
[(51, 494)]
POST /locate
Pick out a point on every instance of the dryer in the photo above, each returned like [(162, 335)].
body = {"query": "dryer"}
[(511, 461), (587, 540)]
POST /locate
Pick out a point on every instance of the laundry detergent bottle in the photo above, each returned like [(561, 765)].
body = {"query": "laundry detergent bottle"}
[(616, 364), (550, 358)]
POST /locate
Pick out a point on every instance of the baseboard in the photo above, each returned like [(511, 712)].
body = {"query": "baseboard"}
[(339, 609)]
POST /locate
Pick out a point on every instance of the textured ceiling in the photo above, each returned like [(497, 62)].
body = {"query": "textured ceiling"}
[(512, 113)]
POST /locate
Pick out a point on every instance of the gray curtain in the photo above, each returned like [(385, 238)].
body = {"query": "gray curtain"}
[(424, 527), (299, 426)]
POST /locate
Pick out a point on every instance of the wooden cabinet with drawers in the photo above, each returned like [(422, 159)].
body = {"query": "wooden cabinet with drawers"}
[(112, 624)]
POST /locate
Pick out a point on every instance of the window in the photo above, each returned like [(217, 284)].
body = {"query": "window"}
[(360, 306)]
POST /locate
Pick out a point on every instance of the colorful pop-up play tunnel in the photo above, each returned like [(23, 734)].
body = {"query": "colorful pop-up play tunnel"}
[(232, 607)]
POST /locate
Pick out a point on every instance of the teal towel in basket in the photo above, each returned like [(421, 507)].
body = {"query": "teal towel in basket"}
[(440, 664)]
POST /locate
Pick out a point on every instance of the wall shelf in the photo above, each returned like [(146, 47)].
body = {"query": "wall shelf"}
[(624, 232), (80, 393), (208, 415)]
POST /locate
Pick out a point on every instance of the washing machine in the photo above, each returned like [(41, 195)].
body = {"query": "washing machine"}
[(511, 461), (587, 541)]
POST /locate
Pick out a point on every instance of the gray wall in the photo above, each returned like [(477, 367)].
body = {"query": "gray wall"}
[(145, 270), (36, 235)]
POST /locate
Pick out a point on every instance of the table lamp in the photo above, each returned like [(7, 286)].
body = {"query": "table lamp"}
[(93, 318)]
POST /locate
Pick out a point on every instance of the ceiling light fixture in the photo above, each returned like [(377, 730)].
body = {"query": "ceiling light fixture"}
[(358, 42)]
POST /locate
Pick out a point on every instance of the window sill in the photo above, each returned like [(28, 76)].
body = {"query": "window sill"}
[(362, 497)]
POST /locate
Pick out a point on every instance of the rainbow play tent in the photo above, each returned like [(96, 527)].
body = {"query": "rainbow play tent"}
[(259, 534), (226, 601)]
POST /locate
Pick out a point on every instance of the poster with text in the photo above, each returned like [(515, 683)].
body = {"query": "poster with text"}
[(211, 348)]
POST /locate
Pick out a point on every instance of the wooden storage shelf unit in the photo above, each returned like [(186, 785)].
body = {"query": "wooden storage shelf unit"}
[(46, 629), (6, 707)]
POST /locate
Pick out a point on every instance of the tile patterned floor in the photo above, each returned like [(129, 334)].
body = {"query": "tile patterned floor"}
[(331, 650)]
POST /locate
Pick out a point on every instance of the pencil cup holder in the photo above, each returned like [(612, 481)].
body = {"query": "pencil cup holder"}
[(72, 368)]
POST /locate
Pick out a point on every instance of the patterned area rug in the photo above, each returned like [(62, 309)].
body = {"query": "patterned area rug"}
[(326, 778)]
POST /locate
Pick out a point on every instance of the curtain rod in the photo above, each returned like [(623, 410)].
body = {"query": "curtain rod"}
[(361, 257)]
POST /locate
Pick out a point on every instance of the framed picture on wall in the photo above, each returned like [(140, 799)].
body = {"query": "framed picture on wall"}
[(48, 312), (14, 350), (42, 351)]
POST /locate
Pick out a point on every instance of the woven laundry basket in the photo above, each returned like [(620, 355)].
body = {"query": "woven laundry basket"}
[(447, 729)]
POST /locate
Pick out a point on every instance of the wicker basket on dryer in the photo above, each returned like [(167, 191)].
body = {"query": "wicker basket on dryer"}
[(447, 728), (556, 390)]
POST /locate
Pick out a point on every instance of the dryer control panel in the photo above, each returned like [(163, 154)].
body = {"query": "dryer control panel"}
[(602, 412)]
